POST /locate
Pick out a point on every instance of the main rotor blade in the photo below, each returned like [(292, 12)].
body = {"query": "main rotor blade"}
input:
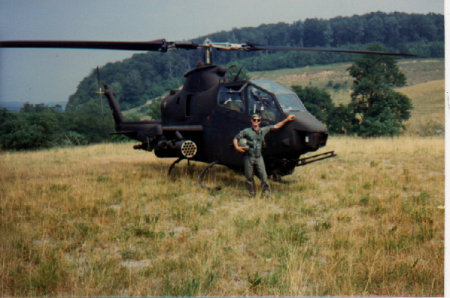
[(98, 79), (155, 45), (163, 46), (253, 47)]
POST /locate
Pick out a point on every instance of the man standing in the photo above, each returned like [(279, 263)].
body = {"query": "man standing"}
[(253, 159)]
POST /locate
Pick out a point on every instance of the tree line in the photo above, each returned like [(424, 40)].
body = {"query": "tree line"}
[(40, 126)]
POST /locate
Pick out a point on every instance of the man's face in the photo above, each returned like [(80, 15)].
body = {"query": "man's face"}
[(256, 121)]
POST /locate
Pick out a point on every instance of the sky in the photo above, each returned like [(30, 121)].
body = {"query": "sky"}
[(52, 75)]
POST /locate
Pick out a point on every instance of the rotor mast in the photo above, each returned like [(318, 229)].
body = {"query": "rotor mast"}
[(208, 51), (208, 45), (208, 56)]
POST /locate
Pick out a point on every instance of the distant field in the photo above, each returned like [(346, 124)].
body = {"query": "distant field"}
[(105, 220), (425, 86), (417, 71), (428, 115), (141, 111)]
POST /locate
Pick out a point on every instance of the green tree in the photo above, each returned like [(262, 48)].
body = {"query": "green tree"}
[(27, 130), (318, 102), (381, 109), (338, 120), (341, 120), (87, 120), (155, 110)]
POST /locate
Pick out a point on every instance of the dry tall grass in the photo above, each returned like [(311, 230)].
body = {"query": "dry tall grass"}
[(105, 220), (428, 115)]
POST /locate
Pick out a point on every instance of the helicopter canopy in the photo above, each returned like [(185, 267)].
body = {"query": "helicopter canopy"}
[(288, 100)]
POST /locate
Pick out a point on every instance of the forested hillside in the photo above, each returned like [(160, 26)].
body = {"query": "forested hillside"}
[(148, 75)]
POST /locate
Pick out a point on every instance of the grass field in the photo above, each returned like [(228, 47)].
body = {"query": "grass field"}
[(105, 220)]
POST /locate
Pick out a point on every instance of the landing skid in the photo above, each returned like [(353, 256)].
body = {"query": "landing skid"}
[(314, 158), (200, 176), (203, 172), (277, 178), (173, 165), (287, 166)]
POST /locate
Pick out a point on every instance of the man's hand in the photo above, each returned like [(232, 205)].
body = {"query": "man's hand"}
[(238, 148), (290, 118)]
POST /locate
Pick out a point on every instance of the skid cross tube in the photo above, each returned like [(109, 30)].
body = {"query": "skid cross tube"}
[(173, 165), (203, 172), (314, 158)]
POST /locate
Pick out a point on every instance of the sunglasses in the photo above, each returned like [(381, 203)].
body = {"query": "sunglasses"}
[(256, 120)]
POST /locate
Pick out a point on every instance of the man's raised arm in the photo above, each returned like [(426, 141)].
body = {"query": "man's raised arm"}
[(280, 124)]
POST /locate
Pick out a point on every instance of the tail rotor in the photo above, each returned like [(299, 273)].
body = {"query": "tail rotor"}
[(100, 91)]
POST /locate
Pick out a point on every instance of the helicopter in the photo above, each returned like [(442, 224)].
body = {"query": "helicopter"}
[(200, 120)]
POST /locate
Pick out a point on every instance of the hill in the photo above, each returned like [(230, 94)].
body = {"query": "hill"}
[(141, 112), (428, 116)]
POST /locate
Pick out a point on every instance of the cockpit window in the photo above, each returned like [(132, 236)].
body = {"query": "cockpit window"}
[(232, 98), (287, 99), (263, 103)]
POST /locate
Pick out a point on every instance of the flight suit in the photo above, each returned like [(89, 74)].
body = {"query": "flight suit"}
[(253, 160)]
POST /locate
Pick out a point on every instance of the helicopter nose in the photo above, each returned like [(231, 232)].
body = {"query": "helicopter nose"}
[(309, 131), (315, 140), (306, 122)]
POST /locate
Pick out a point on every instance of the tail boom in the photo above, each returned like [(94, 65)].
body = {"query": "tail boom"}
[(117, 114)]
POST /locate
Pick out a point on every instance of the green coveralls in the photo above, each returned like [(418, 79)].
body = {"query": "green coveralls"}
[(253, 159)]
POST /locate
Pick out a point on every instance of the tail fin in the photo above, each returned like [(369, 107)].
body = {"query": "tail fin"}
[(117, 114)]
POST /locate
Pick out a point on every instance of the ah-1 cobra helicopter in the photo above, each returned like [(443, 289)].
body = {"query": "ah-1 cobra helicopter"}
[(199, 121)]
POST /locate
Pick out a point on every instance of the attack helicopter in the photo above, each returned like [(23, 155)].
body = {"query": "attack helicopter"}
[(200, 120)]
